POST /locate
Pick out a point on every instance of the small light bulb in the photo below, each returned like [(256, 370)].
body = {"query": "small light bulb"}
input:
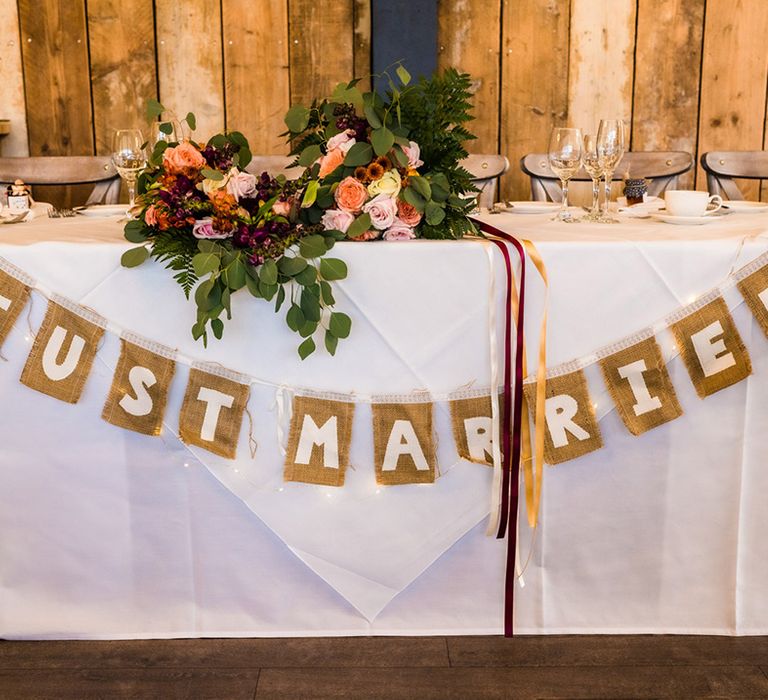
[(186, 464)]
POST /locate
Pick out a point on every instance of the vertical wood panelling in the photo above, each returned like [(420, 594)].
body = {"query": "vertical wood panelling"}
[(12, 83), (321, 47), (189, 62), (666, 100), (733, 82), (534, 80), (57, 81), (468, 39), (256, 71), (122, 47), (362, 43), (602, 44)]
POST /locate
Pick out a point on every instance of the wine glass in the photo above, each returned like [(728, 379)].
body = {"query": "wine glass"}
[(565, 147), (177, 134), (592, 165), (610, 149), (129, 158)]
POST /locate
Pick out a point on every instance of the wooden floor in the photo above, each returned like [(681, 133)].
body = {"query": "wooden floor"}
[(390, 667)]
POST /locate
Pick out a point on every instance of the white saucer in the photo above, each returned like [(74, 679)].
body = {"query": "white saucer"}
[(743, 205), (532, 207), (683, 220), (104, 210)]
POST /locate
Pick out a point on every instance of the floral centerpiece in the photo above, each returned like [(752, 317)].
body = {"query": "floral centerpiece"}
[(374, 167)]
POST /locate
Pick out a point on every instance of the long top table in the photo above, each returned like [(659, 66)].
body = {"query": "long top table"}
[(107, 533)]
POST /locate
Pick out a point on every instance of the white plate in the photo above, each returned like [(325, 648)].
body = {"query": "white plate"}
[(742, 205), (104, 210), (532, 207), (683, 220)]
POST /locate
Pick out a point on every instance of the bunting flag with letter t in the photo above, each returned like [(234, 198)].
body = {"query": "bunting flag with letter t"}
[(13, 298), (572, 428), (64, 349), (139, 391), (403, 446), (212, 410), (319, 441), (639, 384), (710, 346)]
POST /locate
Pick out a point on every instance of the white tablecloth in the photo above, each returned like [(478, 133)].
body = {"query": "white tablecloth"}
[(106, 533)]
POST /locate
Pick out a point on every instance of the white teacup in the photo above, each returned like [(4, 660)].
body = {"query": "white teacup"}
[(691, 202)]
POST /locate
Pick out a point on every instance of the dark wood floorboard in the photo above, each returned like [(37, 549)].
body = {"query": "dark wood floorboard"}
[(596, 667)]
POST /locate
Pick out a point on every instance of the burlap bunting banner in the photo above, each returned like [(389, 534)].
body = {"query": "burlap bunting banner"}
[(640, 386), (572, 429), (471, 423), (212, 411), (403, 446), (754, 289), (139, 389), (318, 441), (13, 298), (711, 348), (62, 354)]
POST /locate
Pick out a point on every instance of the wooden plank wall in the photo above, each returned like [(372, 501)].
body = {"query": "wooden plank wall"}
[(685, 74)]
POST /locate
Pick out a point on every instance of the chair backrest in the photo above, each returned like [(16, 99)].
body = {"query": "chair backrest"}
[(274, 165), (662, 168), (722, 166), (485, 170), (66, 170)]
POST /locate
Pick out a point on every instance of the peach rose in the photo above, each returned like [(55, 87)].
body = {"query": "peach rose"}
[(351, 194), (407, 213), (282, 207), (370, 235), (184, 159), (330, 161)]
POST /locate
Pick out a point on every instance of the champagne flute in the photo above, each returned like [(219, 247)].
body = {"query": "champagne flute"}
[(129, 158), (592, 165), (565, 147), (610, 149)]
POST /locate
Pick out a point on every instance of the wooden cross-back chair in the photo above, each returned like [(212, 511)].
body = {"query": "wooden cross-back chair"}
[(722, 166), (66, 170), (662, 168)]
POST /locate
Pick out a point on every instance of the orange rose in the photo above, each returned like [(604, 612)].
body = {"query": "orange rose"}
[(371, 235), (184, 159), (351, 194), (330, 161), (407, 213)]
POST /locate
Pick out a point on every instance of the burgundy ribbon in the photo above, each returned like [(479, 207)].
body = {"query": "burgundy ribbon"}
[(511, 429)]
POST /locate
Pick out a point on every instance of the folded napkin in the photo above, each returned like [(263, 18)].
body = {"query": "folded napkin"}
[(648, 206)]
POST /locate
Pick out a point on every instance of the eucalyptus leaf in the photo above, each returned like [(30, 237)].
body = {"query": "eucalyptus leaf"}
[(191, 121), (307, 276), (307, 348), (421, 185), (404, 75), (154, 109), (310, 194), (135, 231), (234, 274), (434, 213), (382, 140), (400, 157), (360, 154), (134, 257), (204, 263), (280, 298), (295, 318), (372, 116), (360, 225), (297, 118), (206, 246), (413, 198), (268, 272), (333, 269), (211, 174), (310, 305), (291, 267), (340, 324), (309, 155), (166, 128), (331, 342), (268, 291), (327, 293), (312, 246), (217, 326)]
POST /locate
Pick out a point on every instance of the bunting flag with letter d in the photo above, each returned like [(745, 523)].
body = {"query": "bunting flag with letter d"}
[(318, 441), (63, 352)]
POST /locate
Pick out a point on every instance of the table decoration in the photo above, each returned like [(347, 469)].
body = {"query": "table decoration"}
[(375, 167)]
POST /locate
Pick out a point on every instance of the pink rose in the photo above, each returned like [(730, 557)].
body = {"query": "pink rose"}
[(150, 216), (407, 213), (241, 184), (330, 161), (282, 207), (351, 194), (337, 220), (382, 209), (399, 231), (343, 141), (203, 228), (183, 159), (413, 152), (369, 235)]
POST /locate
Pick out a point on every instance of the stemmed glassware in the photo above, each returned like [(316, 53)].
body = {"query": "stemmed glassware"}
[(610, 149), (591, 162), (177, 133), (565, 146), (129, 158)]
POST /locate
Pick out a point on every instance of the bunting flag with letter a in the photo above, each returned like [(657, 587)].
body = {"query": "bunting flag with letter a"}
[(403, 445)]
